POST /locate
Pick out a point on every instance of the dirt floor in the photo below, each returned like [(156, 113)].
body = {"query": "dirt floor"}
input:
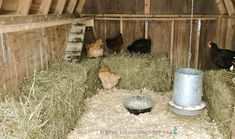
[(106, 117)]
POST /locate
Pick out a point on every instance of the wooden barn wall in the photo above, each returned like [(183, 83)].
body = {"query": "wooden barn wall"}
[(160, 32), (23, 52), (113, 6), (157, 7)]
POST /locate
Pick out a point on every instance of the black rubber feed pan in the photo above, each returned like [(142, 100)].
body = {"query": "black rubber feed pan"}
[(138, 104)]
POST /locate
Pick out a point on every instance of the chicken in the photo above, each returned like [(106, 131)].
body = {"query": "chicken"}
[(95, 49), (232, 68), (222, 58), (108, 79), (141, 46), (115, 44)]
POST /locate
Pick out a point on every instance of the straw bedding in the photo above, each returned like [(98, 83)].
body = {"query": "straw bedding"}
[(50, 102), (106, 117)]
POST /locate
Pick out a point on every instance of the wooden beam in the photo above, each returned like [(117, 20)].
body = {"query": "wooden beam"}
[(71, 6), (153, 19), (14, 19), (229, 6), (44, 24), (80, 6), (146, 6), (155, 16), (221, 7), (44, 7), (60, 6), (23, 7)]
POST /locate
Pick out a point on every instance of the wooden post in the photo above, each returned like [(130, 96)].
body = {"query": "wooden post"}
[(1, 1), (45, 7), (71, 6), (230, 7), (80, 6), (146, 6), (146, 26), (221, 7), (23, 7), (172, 41), (60, 6), (121, 26), (196, 59)]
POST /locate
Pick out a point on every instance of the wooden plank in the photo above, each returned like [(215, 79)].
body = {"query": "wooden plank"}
[(181, 47), (160, 34), (157, 16), (23, 7), (44, 7), (8, 19), (114, 6), (1, 1), (28, 26), (71, 6), (172, 42), (152, 19), (230, 34), (80, 6), (60, 6), (230, 6), (147, 6), (221, 7), (132, 30)]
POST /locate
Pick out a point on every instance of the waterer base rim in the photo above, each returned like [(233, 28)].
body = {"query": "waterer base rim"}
[(187, 111)]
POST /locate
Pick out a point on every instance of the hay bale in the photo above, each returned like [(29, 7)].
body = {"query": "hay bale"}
[(62, 89), (92, 80), (141, 71), (219, 91)]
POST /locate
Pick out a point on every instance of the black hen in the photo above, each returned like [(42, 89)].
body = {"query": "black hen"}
[(115, 44), (141, 46), (222, 58)]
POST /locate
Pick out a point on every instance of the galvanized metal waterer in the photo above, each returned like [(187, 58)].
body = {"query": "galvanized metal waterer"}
[(187, 92)]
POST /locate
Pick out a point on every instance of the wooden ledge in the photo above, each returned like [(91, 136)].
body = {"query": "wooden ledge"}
[(43, 24)]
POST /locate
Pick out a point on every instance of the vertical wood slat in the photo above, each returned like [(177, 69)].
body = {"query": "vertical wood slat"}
[(71, 6), (44, 7), (196, 59), (230, 7), (146, 27), (23, 7), (80, 6), (1, 1), (121, 26), (221, 7), (60, 6), (172, 41), (147, 6)]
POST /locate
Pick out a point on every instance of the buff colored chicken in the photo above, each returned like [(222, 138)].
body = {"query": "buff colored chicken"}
[(95, 49), (108, 79)]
